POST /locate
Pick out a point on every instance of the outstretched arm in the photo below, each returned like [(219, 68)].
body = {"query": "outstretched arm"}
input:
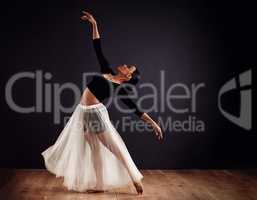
[(104, 64), (142, 115)]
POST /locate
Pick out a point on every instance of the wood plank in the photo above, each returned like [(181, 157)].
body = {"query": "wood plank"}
[(37, 184)]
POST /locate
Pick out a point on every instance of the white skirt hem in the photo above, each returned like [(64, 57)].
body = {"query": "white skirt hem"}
[(78, 157)]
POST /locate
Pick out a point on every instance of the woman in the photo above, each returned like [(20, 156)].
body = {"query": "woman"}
[(89, 153)]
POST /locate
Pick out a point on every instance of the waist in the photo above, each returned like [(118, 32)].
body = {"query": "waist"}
[(93, 106)]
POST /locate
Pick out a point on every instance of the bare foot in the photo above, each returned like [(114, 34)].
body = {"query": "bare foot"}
[(139, 187)]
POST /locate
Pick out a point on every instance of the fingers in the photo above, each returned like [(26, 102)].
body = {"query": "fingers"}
[(87, 14), (158, 133), (87, 17), (161, 135), (84, 17)]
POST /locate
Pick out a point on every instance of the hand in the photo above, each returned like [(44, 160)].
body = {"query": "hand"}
[(158, 131), (88, 17)]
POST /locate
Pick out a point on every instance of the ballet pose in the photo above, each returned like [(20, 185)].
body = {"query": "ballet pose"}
[(89, 153)]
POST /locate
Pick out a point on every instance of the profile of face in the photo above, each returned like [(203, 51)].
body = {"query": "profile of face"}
[(126, 70)]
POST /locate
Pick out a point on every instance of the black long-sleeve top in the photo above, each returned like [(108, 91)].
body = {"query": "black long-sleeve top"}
[(101, 87)]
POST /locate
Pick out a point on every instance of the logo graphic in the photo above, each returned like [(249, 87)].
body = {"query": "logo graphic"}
[(244, 119)]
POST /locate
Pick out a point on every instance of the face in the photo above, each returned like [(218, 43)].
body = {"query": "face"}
[(126, 70)]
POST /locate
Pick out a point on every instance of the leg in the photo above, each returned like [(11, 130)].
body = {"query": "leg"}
[(96, 159), (111, 145), (109, 142)]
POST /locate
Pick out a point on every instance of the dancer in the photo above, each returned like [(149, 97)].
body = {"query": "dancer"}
[(89, 153)]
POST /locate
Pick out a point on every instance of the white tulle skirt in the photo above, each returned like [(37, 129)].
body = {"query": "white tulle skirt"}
[(90, 154)]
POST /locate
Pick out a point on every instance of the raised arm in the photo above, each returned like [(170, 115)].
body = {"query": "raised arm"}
[(88, 17), (104, 64)]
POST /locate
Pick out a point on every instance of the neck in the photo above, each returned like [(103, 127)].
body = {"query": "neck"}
[(120, 78)]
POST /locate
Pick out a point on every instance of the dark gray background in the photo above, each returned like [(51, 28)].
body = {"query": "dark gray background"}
[(193, 41)]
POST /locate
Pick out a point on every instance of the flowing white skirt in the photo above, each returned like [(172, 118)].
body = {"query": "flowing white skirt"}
[(91, 160)]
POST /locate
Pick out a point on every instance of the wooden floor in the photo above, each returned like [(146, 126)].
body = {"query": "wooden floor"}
[(158, 184)]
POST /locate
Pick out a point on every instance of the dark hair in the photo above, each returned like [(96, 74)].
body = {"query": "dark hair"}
[(135, 77), (133, 80)]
